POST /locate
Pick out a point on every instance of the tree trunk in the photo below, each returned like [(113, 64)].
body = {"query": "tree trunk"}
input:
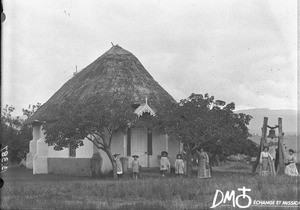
[(217, 160), (115, 175), (113, 163), (188, 164), (107, 149)]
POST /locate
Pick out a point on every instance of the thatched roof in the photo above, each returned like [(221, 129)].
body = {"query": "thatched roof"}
[(115, 70)]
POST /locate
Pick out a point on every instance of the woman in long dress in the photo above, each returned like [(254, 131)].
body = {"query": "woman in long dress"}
[(272, 151), (291, 168), (265, 163), (204, 170), (119, 165)]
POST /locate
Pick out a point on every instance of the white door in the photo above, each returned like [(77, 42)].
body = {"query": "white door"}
[(139, 145)]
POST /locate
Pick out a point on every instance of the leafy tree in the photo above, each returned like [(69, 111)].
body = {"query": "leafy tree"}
[(31, 109), (15, 134), (201, 121), (96, 119), (8, 119), (8, 130)]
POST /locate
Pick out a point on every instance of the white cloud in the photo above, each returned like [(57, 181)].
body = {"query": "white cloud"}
[(241, 51)]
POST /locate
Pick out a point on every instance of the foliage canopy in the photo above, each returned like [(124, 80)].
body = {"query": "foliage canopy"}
[(200, 121)]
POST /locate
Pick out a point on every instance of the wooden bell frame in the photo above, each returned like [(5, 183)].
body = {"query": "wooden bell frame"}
[(280, 166)]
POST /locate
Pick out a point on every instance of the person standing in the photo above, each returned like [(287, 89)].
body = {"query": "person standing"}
[(164, 163), (272, 151), (265, 162), (135, 166), (291, 168), (179, 165), (204, 169), (119, 165)]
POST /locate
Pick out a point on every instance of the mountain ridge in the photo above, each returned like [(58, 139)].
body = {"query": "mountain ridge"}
[(289, 119)]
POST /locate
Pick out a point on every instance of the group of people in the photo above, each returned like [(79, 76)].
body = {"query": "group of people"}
[(165, 166), (179, 165), (135, 166), (267, 163)]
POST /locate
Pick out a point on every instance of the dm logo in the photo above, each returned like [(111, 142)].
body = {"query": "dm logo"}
[(231, 196)]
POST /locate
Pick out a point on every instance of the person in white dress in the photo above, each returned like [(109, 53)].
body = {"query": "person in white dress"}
[(265, 163), (119, 165), (179, 165), (291, 168), (164, 163)]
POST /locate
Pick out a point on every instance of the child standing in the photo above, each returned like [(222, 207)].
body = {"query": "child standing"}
[(164, 163), (135, 166), (179, 165), (119, 165)]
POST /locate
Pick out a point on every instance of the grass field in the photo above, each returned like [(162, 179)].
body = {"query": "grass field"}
[(22, 190)]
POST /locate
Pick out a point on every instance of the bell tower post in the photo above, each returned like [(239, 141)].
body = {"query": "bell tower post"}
[(262, 141), (278, 157), (280, 166)]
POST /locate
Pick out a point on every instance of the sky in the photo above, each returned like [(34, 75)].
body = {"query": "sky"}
[(238, 51)]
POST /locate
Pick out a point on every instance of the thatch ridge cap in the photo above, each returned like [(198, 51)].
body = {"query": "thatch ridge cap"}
[(117, 50)]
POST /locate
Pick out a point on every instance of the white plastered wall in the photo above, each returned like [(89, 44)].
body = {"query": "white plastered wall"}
[(58, 153), (160, 142), (32, 147), (40, 165), (85, 151), (173, 150), (158, 145), (88, 148), (41, 151)]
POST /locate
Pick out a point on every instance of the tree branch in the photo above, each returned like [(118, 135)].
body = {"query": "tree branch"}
[(110, 140), (102, 136), (99, 147), (98, 142), (196, 146), (206, 141)]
